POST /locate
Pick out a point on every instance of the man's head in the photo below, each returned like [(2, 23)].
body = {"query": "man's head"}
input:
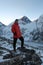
[(16, 21)]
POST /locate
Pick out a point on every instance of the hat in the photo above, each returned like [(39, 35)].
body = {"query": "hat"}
[(16, 21)]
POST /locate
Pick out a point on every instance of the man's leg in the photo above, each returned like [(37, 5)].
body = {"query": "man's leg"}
[(22, 41), (14, 44)]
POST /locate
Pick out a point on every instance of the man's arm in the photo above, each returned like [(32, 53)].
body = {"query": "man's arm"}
[(13, 29)]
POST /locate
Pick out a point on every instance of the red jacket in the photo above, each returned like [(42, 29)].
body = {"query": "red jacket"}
[(16, 30)]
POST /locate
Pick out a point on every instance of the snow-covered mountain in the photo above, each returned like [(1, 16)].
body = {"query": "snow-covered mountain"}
[(25, 19), (39, 26), (30, 30), (2, 26), (39, 21)]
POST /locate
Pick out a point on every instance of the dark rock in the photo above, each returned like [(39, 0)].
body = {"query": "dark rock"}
[(13, 61), (36, 59), (1, 52), (30, 55), (7, 56)]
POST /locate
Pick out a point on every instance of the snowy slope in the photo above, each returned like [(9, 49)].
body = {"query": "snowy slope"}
[(7, 32), (39, 25), (40, 22), (2, 26)]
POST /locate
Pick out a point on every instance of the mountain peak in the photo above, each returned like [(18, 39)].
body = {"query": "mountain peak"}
[(26, 19), (1, 24), (40, 19), (41, 16)]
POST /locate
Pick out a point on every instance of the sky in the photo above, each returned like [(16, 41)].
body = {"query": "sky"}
[(12, 9)]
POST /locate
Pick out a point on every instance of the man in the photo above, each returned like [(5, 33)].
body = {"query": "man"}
[(17, 34)]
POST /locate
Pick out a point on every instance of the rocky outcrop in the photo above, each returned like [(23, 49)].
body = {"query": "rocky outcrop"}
[(13, 61), (26, 56)]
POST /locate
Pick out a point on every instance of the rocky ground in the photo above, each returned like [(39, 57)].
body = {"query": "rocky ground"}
[(6, 48)]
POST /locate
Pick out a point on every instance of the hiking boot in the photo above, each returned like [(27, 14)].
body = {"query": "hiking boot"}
[(23, 47)]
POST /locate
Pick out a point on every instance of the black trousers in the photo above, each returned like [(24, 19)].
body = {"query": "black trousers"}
[(15, 41)]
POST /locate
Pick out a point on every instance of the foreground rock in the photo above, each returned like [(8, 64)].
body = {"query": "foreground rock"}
[(25, 57), (13, 61)]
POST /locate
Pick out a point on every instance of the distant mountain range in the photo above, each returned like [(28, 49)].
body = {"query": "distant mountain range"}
[(29, 29)]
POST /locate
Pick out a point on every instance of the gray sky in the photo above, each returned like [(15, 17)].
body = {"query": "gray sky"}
[(12, 9)]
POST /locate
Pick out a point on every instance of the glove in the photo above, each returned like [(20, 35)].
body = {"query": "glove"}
[(14, 33)]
